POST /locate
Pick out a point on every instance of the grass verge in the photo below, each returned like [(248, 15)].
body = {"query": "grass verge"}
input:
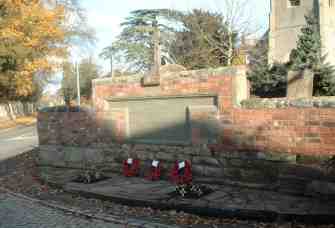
[(19, 121)]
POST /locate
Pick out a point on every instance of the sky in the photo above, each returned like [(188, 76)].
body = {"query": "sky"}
[(105, 16)]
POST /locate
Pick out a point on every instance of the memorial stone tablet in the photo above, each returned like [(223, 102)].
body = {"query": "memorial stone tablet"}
[(160, 119)]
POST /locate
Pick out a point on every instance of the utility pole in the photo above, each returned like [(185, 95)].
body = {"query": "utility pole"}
[(112, 67), (78, 84)]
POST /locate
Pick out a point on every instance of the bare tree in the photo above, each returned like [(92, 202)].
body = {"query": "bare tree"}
[(240, 22)]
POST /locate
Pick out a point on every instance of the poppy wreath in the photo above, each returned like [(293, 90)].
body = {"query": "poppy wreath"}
[(131, 167), (181, 173), (155, 171)]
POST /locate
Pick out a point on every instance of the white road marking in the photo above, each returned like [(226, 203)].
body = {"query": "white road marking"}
[(28, 136), (19, 138)]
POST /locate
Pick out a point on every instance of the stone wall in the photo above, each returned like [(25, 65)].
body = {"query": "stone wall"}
[(264, 141), (12, 110), (75, 140)]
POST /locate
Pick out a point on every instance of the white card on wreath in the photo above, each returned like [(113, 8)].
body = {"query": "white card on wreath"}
[(155, 163), (130, 161), (181, 165)]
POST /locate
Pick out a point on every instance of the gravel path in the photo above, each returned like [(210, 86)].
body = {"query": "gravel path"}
[(16, 212)]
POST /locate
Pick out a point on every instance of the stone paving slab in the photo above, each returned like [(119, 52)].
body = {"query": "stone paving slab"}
[(19, 205), (18, 212), (226, 201)]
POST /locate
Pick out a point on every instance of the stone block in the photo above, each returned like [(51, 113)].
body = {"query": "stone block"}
[(234, 162), (252, 163), (51, 156), (190, 150), (300, 84), (198, 170), (78, 165), (312, 159), (292, 184), (259, 176), (301, 171), (170, 157), (149, 122), (74, 155), (320, 188), (285, 157), (144, 155), (232, 173), (204, 150), (213, 172), (93, 155), (109, 158), (151, 81), (240, 87), (113, 167), (204, 160)]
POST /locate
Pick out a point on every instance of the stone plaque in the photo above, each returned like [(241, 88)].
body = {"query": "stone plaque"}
[(300, 84), (160, 120)]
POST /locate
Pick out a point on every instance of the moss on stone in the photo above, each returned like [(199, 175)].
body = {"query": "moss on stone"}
[(272, 103)]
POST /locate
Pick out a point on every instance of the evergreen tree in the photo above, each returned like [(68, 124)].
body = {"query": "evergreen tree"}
[(196, 39), (324, 80), (134, 46), (272, 82), (266, 81), (308, 55)]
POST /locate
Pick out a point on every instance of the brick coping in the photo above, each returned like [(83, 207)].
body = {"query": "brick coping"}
[(137, 78), (165, 97)]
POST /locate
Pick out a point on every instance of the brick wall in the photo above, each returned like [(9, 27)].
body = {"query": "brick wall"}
[(219, 81), (268, 125), (298, 127), (257, 139), (309, 131)]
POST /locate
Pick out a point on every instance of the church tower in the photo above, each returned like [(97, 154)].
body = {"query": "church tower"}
[(288, 17)]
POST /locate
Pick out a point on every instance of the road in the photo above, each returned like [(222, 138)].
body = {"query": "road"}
[(17, 140), (17, 212)]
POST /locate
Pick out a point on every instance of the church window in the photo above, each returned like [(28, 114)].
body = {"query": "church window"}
[(294, 3)]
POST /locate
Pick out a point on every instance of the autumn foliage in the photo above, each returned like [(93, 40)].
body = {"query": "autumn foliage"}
[(32, 38)]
